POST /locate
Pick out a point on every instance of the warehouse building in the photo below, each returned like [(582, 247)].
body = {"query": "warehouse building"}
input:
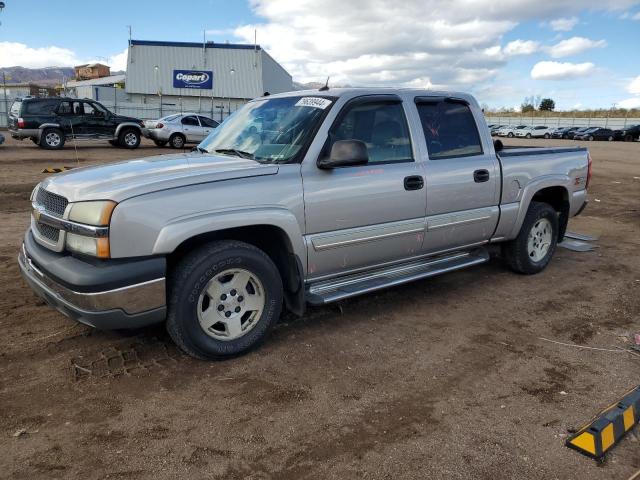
[(205, 77)]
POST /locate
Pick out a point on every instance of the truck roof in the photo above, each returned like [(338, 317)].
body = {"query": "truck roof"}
[(358, 91)]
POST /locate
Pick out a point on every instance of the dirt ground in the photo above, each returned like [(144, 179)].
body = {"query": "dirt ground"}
[(442, 378)]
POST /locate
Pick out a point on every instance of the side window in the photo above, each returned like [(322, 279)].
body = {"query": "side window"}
[(88, 109), (41, 107), (207, 122), (382, 127), (449, 130), (65, 108), (191, 121)]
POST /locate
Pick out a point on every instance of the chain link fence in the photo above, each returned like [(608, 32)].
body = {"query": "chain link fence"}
[(219, 112), (613, 123)]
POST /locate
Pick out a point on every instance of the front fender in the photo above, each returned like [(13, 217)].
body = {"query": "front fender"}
[(530, 190), (182, 229), (127, 125)]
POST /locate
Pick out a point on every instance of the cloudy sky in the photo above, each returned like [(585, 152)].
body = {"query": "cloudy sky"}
[(582, 53)]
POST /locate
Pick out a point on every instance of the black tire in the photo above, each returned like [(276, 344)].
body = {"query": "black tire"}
[(516, 251), (628, 138), (528, 135), (547, 136), (591, 138), (52, 139), (160, 143), (191, 277), (129, 138), (510, 134), (177, 140)]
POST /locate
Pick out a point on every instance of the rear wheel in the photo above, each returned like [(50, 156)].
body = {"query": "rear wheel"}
[(531, 251), (528, 135), (52, 139), (510, 134), (591, 138), (547, 136), (177, 140), (129, 138), (224, 299)]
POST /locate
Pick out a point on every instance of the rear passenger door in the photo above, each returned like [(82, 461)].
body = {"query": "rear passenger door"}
[(462, 176), (191, 129)]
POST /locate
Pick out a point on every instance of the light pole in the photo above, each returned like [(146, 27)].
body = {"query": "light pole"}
[(158, 88), (231, 73)]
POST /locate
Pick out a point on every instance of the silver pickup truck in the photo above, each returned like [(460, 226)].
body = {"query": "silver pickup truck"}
[(298, 198)]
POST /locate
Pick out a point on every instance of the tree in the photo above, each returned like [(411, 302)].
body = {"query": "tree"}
[(547, 104), (526, 107)]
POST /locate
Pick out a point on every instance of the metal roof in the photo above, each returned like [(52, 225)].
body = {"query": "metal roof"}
[(98, 81), (159, 43)]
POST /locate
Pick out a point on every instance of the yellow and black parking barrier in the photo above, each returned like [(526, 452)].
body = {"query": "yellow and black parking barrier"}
[(608, 427), (56, 170)]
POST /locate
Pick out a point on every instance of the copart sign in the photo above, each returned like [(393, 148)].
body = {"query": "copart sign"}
[(202, 79)]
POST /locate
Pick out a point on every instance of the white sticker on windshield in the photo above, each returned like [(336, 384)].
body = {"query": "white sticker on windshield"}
[(315, 102)]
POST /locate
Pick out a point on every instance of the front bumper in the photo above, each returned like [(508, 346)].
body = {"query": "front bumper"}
[(102, 297)]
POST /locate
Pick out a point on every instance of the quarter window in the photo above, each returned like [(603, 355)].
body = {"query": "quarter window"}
[(382, 127), (449, 130)]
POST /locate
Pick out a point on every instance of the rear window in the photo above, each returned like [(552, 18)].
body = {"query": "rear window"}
[(15, 108), (41, 107), (449, 130)]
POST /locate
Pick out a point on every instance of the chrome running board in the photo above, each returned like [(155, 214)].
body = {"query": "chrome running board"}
[(327, 291)]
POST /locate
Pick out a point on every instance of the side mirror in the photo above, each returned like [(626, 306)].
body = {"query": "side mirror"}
[(345, 153), (498, 146)]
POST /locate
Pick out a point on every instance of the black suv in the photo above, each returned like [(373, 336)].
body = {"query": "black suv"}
[(628, 134), (48, 122)]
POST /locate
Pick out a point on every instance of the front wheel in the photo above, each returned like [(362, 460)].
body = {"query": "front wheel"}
[(531, 251), (510, 135), (547, 136), (224, 299), (591, 138), (528, 135), (129, 138)]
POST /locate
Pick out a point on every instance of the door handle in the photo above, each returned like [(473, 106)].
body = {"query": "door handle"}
[(480, 176), (413, 182)]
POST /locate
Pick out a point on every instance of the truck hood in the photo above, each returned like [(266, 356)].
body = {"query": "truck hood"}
[(122, 180)]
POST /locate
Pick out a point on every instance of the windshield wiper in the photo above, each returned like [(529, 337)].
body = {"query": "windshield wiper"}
[(237, 153)]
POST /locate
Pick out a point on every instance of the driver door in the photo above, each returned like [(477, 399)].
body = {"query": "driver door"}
[(191, 129)]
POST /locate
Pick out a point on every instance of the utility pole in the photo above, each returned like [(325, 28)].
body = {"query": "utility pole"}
[(6, 102)]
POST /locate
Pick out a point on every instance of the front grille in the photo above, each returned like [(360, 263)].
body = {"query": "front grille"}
[(52, 203), (47, 231)]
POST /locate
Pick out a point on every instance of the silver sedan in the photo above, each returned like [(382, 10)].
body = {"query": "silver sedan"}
[(178, 129)]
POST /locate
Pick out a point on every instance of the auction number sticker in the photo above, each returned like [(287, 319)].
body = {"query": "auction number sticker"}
[(315, 102)]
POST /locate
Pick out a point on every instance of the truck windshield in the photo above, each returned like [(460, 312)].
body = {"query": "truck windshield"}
[(268, 130)]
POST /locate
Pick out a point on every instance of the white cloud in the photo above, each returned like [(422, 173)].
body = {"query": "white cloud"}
[(14, 54), (521, 47), (630, 103), (453, 43), (636, 16), (563, 24), (634, 86), (560, 71), (574, 45)]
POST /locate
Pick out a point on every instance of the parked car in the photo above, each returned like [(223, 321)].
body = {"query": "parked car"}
[(628, 134), (596, 133), (350, 197), (179, 129), (563, 132), (539, 131), (578, 131), (50, 121), (494, 130), (510, 131)]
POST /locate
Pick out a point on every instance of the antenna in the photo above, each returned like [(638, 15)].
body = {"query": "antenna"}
[(325, 87)]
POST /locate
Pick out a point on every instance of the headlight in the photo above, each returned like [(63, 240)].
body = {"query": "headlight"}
[(96, 214), (92, 213)]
